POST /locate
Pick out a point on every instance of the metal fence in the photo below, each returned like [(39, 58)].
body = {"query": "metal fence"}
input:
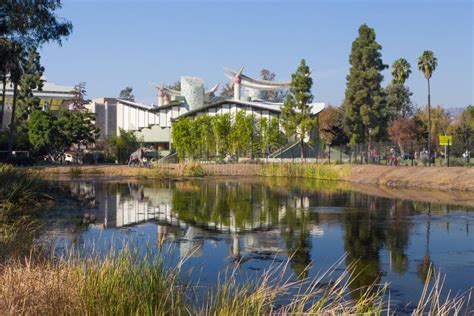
[(407, 154)]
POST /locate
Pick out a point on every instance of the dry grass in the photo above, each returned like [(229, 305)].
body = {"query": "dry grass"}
[(125, 285), (305, 170), (432, 303), (120, 285), (188, 169), (43, 289)]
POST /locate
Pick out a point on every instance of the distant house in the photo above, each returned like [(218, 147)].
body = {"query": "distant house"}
[(51, 97)]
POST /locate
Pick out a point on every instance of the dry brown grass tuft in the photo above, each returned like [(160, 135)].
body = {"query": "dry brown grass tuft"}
[(43, 289)]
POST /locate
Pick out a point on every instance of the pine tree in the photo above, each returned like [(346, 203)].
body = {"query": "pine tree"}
[(31, 80), (296, 112), (364, 104), (127, 94)]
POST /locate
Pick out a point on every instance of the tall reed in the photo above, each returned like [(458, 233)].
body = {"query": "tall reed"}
[(21, 188), (128, 284), (304, 170)]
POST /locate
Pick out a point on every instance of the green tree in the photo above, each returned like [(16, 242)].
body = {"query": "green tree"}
[(33, 23), (398, 101), (126, 94), (401, 70), (275, 136), (27, 24), (296, 111), (123, 145), (77, 128), (427, 64), (43, 134), (464, 129), (181, 136), (222, 125), (52, 136), (364, 103), (79, 97), (241, 135), (398, 95), (261, 140), (206, 142), (31, 80), (16, 71), (436, 122), (7, 61)]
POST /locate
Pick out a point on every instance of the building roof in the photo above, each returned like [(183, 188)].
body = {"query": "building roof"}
[(135, 104), (166, 106), (49, 90), (261, 105)]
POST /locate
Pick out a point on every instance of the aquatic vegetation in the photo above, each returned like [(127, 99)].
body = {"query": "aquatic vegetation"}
[(75, 171), (191, 169), (304, 170), (21, 188), (18, 238)]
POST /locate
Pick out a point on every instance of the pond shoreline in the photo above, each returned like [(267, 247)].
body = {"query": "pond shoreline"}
[(431, 178), (321, 214)]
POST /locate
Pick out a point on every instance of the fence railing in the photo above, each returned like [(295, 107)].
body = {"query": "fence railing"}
[(389, 153)]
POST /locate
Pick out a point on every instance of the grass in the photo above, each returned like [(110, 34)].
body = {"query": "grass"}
[(304, 170), (21, 188), (75, 172), (113, 286), (18, 237), (187, 169), (191, 169), (126, 284)]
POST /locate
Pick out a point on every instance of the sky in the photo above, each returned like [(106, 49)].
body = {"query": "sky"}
[(115, 44)]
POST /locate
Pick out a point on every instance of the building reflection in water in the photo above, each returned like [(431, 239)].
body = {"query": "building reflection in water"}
[(265, 219)]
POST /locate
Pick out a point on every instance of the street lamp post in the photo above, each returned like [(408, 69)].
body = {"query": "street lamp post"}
[(370, 145)]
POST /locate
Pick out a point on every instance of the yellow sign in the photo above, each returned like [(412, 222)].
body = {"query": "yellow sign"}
[(446, 140)]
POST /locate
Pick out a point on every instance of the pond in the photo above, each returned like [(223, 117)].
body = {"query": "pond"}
[(250, 224)]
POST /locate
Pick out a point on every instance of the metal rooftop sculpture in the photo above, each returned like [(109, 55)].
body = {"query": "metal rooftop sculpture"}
[(239, 79)]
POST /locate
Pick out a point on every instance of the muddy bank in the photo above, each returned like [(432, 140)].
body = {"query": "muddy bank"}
[(431, 178), (437, 178), (454, 197)]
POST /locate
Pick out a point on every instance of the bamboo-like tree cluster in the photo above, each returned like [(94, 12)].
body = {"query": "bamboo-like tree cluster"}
[(241, 135)]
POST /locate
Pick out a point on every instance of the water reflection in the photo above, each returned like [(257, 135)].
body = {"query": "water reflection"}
[(250, 223)]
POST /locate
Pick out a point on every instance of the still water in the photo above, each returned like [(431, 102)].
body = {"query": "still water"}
[(249, 225)]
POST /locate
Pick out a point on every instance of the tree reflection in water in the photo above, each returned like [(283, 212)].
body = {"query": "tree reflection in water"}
[(269, 217)]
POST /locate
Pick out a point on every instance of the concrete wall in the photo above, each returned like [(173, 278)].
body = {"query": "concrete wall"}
[(155, 134)]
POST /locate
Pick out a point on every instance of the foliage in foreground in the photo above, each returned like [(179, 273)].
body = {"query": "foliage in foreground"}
[(20, 188), (125, 285)]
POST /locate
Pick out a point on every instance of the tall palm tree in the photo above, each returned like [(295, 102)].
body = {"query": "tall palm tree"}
[(427, 64), (401, 70)]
